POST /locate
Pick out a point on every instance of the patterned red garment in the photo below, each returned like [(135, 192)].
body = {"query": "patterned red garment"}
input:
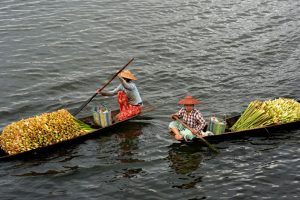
[(126, 110), (194, 120)]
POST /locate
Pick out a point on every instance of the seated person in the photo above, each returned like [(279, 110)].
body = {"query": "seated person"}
[(191, 116)]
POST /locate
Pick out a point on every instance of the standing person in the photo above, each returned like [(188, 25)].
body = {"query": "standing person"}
[(129, 99), (191, 116)]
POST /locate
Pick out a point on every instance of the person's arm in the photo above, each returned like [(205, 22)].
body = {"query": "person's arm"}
[(174, 116), (201, 122), (105, 93), (112, 93), (179, 114), (125, 84)]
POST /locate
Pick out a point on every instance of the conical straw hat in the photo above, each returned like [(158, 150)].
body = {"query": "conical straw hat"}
[(127, 74), (189, 100)]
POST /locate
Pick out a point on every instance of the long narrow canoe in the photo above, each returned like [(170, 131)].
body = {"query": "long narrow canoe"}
[(89, 120), (262, 131)]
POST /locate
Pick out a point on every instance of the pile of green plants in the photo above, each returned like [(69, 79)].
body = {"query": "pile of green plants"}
[(264, 113), (40, 131)]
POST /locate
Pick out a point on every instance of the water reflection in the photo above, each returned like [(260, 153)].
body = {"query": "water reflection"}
[(130, 173), (185, 158), (190, 184), (52, 162), (128, 141), (125, 137), (66, 169)]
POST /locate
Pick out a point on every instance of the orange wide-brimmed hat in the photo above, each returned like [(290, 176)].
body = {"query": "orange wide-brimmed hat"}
[(127, 74), (189, 100)]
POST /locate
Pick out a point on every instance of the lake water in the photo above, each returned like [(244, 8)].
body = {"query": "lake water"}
[(55, 54)]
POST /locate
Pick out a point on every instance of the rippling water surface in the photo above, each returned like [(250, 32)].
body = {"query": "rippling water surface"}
[(54, 54)]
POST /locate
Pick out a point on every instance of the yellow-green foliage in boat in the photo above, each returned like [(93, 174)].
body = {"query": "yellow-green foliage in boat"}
[(259, 114), (40, 131)]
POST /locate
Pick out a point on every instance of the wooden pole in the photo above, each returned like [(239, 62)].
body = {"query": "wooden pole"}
[(90, 99), (198, 136)]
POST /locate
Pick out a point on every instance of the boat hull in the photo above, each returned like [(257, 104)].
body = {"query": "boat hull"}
[(89, 120), (266, 131)]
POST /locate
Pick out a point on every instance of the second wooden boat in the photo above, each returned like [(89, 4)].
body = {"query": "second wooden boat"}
[(261, 131)]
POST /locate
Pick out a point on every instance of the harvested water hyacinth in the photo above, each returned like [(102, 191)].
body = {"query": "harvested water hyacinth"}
[(259, 114), (40, 131)]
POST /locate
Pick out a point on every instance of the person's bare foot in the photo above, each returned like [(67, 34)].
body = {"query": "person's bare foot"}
[(176, 134)]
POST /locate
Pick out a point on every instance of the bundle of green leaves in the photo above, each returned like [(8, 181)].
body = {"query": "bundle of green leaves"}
[(259, 114)]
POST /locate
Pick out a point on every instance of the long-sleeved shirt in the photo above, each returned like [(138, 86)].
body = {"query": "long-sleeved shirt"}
[(131, 91), (194, 119)]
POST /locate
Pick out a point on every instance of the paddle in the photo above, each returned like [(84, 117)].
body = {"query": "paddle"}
[(198, 136), (90, 99)]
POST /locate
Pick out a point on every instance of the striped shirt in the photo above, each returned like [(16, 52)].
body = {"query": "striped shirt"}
[(194, 119)]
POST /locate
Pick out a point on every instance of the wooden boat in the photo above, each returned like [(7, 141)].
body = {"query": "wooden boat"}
[(261, 131), (88, 120)]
